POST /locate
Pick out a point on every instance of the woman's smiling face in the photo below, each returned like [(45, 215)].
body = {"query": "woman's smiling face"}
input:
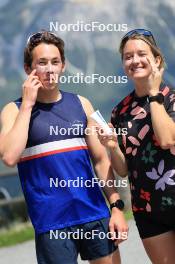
[(136, 54)]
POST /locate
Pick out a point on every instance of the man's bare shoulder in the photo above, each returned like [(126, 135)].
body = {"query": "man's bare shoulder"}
[(9, 109), (87, 106), (8, 116)]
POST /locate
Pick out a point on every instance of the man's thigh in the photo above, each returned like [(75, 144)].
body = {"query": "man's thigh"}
[(100, 246), (114, 258)]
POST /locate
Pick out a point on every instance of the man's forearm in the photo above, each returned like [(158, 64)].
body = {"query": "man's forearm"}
[(118, 161), (117, 219), (13, 144), (104, 172)]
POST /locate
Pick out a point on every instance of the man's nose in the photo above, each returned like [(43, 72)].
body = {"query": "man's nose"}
[(49, 67)]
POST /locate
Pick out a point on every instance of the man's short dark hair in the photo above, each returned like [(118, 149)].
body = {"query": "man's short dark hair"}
[(42, 37)]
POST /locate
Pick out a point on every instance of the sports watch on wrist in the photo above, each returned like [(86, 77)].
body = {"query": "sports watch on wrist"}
[(159, 98), (118, 204)]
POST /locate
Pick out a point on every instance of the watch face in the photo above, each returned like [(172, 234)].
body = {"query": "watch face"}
[(120, 204), (160, 98)]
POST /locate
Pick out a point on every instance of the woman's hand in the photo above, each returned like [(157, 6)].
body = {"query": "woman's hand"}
[(155, 78), (108, 140)]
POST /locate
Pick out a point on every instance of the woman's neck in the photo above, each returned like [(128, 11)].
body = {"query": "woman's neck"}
[(141, 88)]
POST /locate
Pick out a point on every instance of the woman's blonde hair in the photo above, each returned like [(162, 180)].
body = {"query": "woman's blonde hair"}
[(149, 40)]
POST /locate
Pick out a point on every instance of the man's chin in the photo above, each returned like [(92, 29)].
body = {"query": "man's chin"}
[(48, 87)]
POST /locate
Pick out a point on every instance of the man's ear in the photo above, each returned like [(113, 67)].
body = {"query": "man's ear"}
[(27, 69), (64, 67)]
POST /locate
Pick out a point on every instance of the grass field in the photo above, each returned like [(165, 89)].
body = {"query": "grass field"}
[(16, 234)]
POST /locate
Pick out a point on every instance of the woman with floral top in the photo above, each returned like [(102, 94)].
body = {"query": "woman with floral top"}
[(147, 153)]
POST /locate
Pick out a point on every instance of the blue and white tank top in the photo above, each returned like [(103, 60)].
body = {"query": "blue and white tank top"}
[(56, 160)]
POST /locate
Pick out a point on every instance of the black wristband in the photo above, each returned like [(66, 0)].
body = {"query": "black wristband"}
[(159, 98), (118, 204)]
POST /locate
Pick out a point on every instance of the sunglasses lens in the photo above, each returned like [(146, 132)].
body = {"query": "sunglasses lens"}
[(38, 35), (140, 31), (34, 37)]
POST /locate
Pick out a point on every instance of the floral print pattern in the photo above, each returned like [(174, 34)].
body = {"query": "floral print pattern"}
[(167, 202), (148, 154), (163, 178), (151, 168)]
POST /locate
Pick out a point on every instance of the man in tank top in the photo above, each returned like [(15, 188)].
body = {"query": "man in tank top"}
[(45, 133)]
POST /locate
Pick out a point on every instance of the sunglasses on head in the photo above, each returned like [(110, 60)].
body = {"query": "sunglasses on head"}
[(140, 31), (38, 36)]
